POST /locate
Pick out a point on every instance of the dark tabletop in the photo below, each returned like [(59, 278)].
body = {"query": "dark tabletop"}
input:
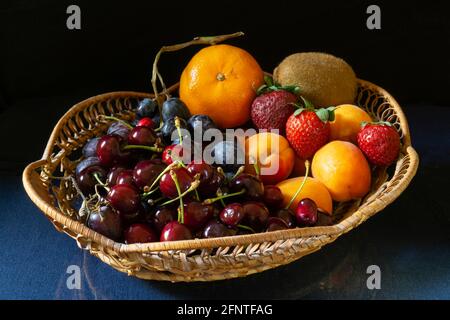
[(409, 240)]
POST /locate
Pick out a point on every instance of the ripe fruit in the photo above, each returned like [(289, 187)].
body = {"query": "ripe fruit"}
[(90, 148), (139, 233), (343, 169), (146, 122), (124, 198), (171, 153), (306, 132), (162, 217), (86, 180), (254, 189), (125, 177), (312, 189), (272, 154), (119, 129), (324, 79), (215, 229), (113, 174), (201, 123), (287, 215), (109, 152), (210, 178), (273, 197), (146, 108), (275, 224), (106, 222), (256, 215), (380, 143), (197, 214), (142, 136), (306, 213), (167, 185), (347, 122), (221, 81), (146, 171), (271, 110), (169, 130), (174, 231), (173, 107), (232, 214)]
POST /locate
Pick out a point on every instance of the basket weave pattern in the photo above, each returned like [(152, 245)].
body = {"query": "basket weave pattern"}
[(201, 259)]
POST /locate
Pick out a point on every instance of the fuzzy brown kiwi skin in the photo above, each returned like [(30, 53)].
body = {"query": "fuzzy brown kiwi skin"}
[(324, 79)]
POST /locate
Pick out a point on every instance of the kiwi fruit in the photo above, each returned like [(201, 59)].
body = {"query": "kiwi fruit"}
[(324, 79)]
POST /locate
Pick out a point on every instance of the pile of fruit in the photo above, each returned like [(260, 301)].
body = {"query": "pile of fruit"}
[(137, 186)]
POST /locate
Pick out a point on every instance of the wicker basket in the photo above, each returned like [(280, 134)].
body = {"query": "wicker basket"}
[(201, 259)]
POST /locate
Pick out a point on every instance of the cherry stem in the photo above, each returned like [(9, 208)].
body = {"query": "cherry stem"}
[(238, 172), (256, 167), (178, 125), (100, 181), (194, 185), (136, 146), (181, 207), (197, 196), (170, 166), (301, 185), (129, 126), (212, 200), (245, 228), (148, 193)]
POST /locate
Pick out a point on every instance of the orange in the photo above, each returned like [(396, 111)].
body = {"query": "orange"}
[(221, 81), (343, 169), (313, 189), (347, 122), (273, 155)]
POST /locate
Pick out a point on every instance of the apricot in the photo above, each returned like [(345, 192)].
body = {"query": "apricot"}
[(347, 122), (343, 169), (272, 154), (312, 189)]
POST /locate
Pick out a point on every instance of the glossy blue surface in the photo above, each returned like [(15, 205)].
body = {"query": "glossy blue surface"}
[(409, 241)]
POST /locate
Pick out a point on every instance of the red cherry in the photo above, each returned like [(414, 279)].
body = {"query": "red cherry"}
[(113, 174), (256, 215), (109, 152), (163, 216), (274, 224), (124, 198), (232, 214), (174, 231), (174, 151), (273, 197), (146, 171), (306, 213), (142, 136), (139, 233), (167, 185), (197, 214), (125, 177), (146, 122)]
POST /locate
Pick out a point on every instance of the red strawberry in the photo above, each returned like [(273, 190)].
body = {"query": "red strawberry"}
[(380, 143), (308, 130), (274, 105), (271, 110)]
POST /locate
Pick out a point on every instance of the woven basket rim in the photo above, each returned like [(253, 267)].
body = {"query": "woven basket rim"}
[(85, 235)]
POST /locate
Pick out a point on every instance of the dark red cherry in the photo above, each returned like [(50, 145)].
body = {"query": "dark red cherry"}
[(113, 174), (274, 224), (256, 215), (106, 222), (174, 231), (124, 198), (139, 233), (145, 172), (215, 229), (163, 216), (197, 214), (324, 219), (287, 215), (254, 188), (142, 136), (146, 122), (306, 213), (232, 214), (273, 198), (109, 152), (86, 180), (125, 177), (167, 185), (210, 179)]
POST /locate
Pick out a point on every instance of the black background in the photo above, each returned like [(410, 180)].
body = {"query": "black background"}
[(40, 57)]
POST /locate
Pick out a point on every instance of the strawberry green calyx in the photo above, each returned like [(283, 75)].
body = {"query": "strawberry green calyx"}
[(324, 114), (270, 86)]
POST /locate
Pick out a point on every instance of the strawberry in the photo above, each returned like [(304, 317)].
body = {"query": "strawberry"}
[(273, 106), (307, 130), (380, 143)]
